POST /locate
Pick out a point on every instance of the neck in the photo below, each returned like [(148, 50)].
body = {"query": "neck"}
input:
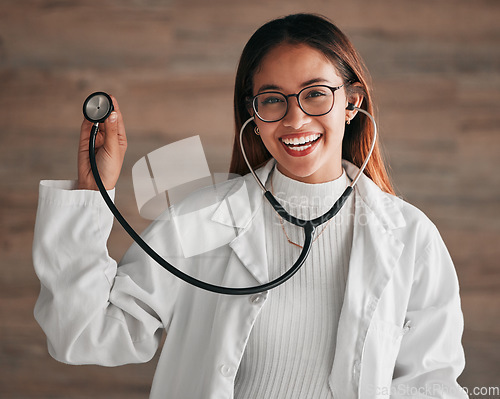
[(317, 177), (321, 195)]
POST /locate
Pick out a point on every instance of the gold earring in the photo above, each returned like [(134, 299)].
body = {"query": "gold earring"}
[(348, 121), (256, 130)]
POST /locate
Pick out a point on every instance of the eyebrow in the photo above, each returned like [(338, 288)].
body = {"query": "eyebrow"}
[(306, 83)]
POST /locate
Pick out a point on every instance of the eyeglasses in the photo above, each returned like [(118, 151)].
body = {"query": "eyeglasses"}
[(272, 106)]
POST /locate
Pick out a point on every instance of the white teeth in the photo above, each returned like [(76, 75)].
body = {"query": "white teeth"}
[(302, 148), (300, 140)]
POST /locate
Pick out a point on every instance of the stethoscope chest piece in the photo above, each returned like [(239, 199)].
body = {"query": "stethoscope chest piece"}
[(97, 107)]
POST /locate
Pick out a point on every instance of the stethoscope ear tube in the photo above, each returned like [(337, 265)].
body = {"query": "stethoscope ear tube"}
[(314, 222)]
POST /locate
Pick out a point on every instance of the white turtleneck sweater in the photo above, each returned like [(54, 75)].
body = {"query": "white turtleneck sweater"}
[(290, 350)]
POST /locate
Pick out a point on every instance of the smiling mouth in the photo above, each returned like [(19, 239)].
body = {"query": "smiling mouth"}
[(300, 143)]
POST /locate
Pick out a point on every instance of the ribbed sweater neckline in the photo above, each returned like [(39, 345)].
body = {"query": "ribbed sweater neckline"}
[(319, 195)]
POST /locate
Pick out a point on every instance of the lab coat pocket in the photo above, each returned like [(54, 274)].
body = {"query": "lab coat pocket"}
[(381, 349)]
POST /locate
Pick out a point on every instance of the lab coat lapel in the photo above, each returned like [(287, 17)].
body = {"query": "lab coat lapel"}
[(250, 249), (375, 252), (249, 246)]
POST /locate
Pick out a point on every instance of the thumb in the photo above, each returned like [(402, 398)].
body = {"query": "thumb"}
[(111, 137)]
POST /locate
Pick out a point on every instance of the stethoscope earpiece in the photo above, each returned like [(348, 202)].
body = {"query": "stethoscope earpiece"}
[(97, 107)]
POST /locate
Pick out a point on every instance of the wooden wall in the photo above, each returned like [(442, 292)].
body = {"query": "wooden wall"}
[(171, 64)]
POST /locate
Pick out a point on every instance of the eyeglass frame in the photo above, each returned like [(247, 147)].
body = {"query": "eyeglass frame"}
[(296, 95)]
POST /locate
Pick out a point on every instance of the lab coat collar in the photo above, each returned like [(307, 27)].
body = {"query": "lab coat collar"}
[(246, 200), (241, 209), (243, 200), (385, 207)]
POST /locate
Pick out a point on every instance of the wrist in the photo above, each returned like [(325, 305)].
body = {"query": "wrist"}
[(85, 186)]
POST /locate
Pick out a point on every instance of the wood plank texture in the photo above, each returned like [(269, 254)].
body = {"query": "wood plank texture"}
[(436, 73)]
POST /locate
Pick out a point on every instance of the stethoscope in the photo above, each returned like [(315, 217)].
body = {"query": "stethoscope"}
[(98, 106)]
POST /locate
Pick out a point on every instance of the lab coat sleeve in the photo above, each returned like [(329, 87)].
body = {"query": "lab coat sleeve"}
[(431, 356), (92, 311)]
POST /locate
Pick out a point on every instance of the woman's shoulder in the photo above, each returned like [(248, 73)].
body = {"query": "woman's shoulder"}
[(396, 213), (419, 229), (412, 214), (392, 210)]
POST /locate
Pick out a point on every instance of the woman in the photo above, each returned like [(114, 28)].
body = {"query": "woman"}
[(374, 312)]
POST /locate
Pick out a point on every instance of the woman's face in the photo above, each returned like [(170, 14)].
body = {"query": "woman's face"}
[(288, 69)]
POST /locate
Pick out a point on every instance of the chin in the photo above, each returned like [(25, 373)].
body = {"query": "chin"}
[(298, 172), (310, 170)]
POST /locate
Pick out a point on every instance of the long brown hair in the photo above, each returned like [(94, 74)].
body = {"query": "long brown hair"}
[(319, 33)]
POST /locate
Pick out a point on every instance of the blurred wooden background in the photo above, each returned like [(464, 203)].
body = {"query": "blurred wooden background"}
[(171, 64)]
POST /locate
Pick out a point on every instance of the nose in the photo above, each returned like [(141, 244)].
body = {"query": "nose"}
[(295, 118)]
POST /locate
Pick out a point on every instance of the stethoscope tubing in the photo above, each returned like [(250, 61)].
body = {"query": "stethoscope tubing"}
[(309, 226), (308, 229), (350, 107)]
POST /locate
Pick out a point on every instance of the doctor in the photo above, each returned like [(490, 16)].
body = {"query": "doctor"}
[(373, 313)]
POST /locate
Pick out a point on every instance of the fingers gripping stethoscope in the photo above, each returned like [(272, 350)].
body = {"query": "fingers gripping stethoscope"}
[(98, 106)]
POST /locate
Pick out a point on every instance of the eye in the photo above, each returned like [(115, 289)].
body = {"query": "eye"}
[(314, 93), (271, 99)]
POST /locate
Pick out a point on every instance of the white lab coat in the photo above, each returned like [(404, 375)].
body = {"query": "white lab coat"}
[(399, 333)]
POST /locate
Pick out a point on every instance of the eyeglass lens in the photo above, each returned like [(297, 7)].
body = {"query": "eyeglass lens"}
[(314, 101)]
